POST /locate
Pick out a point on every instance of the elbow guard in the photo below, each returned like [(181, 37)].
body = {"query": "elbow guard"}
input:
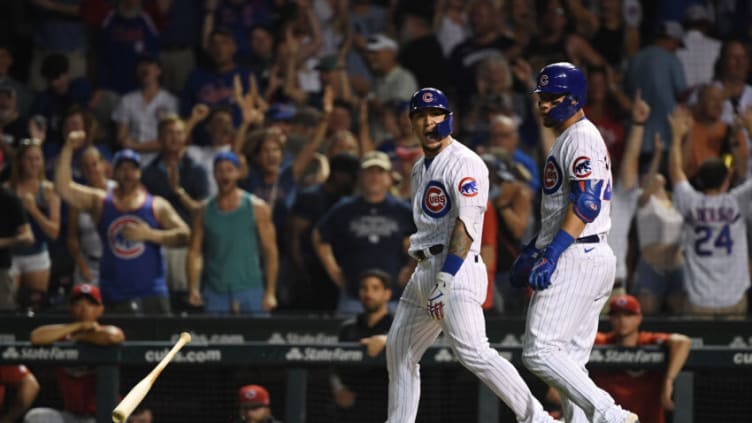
[(585, 195)]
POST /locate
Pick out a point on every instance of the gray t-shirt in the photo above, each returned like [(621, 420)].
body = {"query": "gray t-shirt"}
[(715, 244)]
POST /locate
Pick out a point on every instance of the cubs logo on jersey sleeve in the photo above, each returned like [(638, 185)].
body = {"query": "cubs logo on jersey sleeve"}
[(120, 246), (581, 167), (436, 202), (468, 187), (551, 176)]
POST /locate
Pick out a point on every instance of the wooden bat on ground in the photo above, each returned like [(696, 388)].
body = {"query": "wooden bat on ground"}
[(138, 392)]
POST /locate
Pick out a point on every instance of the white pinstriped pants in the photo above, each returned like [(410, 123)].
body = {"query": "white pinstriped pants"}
[(562, 322), (464, 326)]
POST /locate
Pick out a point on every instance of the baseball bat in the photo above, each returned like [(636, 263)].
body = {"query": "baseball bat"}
[(138, 392)]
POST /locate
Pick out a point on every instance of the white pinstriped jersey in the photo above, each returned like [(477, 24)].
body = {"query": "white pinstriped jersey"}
[(455, 184), (578, 154), (715, 244)]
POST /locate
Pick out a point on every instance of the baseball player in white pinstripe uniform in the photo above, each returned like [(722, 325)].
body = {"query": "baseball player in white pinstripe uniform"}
[(570, 265), (445, 293)]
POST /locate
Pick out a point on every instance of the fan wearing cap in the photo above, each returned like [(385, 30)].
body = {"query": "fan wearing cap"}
[(392, 81), (366, 231), (229, 233), (77, 385), (133, 226), (254, 405), (649, 392)]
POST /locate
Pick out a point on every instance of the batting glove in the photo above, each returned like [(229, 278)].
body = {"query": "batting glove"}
[(540, 275), (544, 267), (439, 296), (523, 265)]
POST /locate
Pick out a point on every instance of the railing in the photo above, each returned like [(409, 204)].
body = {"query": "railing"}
[(297, 360)]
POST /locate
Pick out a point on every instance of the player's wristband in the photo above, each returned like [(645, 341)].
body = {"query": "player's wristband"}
[(452, 264), (561, 242)]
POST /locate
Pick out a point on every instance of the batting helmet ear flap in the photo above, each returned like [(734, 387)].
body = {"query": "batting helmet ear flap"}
[(563, 78), (432, 98)]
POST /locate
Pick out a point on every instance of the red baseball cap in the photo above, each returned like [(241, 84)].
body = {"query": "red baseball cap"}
[(253, 395), (625, 304), (87, 290)]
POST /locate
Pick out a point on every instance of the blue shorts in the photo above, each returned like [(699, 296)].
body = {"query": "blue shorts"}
[(249, 301), (660, 283)]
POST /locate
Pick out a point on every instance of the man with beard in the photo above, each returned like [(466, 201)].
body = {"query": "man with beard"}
[(360, 393), (229, 232), (133, 225)]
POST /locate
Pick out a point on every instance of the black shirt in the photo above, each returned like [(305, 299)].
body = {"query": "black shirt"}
[(192, 176), (352, 330), (12, 216)]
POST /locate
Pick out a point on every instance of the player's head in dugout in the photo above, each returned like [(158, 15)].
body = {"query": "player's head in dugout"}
[(375, 289)]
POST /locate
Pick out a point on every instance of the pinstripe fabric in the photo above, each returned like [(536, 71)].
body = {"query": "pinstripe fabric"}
[(562, 320), (561, 325), (413, 331)]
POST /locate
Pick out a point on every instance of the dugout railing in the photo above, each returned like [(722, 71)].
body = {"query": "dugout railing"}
[(199, 385)]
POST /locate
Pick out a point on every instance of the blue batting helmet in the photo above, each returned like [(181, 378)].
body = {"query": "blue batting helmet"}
[(563, 78), (432, 98)]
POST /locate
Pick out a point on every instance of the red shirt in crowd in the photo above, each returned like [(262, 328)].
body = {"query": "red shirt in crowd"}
[(11, 376), (636, 390)]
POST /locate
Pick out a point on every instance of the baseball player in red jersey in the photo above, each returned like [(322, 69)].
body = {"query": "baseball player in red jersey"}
[(446, 290), (646, 392), (77, 385), (24, 384), (569, 264)]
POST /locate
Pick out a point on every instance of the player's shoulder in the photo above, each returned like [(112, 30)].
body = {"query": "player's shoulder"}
[(462, 156), (583, 131)]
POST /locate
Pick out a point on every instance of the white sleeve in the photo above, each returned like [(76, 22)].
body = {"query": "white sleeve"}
[(743, 195), (685, 197), (469, 191), (586, 157)]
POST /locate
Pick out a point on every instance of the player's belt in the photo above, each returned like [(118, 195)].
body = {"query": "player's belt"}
[(590, 239), (425, 253)]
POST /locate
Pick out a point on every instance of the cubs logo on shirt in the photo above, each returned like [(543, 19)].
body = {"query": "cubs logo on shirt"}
[(120, 246), (581, 167), (436, 202), (551, 176), (468, 186)]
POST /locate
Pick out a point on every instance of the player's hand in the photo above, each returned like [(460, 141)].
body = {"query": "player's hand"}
[(194, 298), (439, 296), (374, 344), (522, 267), (87, 326), (269, 302), (666, 394), (540, 275), (345, 398)]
